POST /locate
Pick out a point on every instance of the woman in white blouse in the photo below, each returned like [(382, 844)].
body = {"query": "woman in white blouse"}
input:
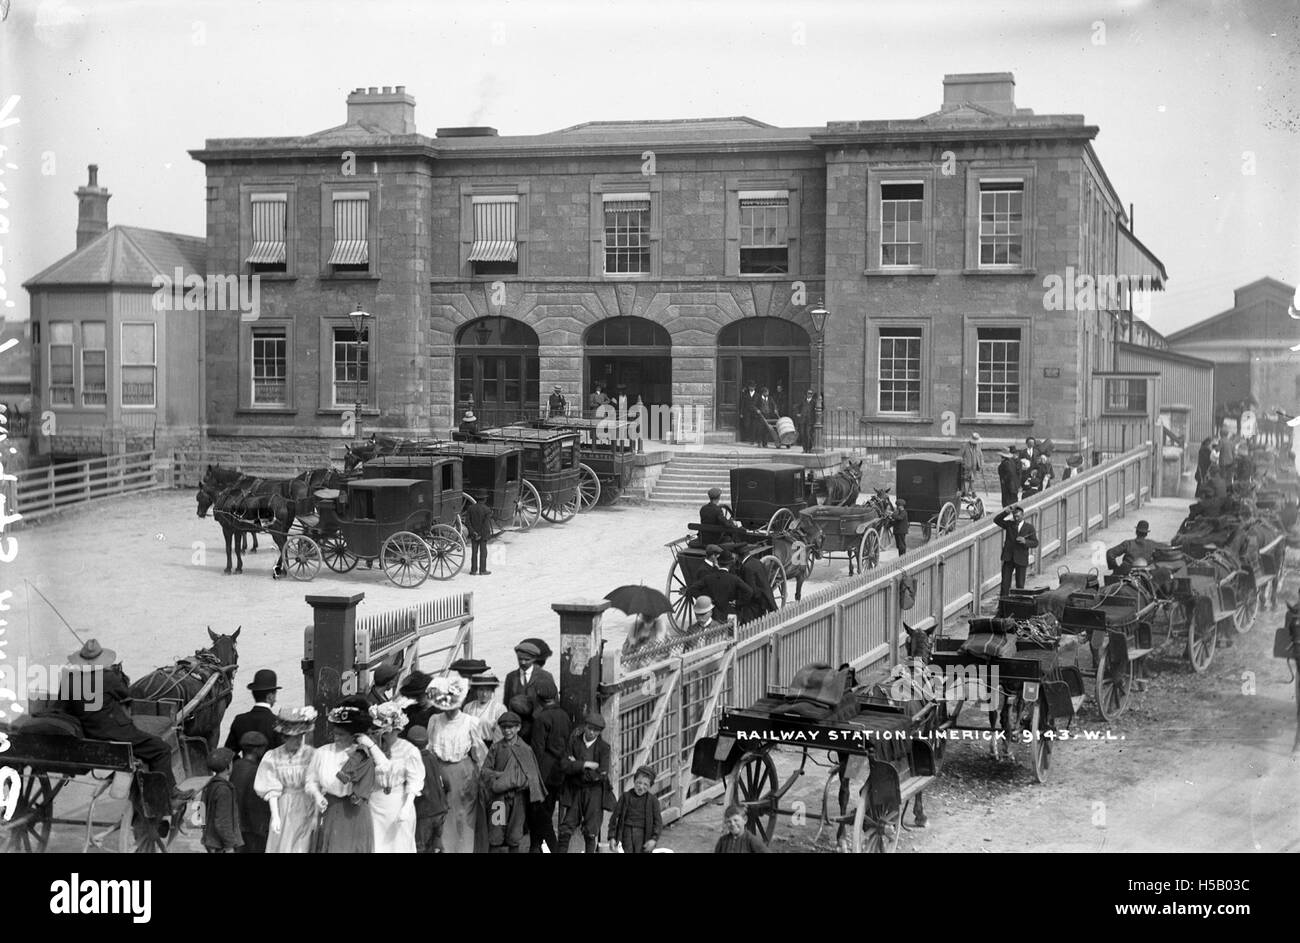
[(457, 745), (281, 780), (342, 777), (392, 804), (483, 704)]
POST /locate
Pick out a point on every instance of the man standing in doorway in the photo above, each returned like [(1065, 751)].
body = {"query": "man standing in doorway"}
[(557, 405), (748, 398), (806, 420)]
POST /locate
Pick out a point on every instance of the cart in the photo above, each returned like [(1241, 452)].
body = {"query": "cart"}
[(1115, 620), (769, 496), (856, 532), (778, 555), (607, 453), (550, 466), (930, 486)]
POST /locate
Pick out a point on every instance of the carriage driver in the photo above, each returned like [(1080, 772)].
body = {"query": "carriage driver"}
[(716, 523), (101, 706), (1135, 552)]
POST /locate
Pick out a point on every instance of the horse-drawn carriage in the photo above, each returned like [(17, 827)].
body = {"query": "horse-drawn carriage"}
[(489, 469), (929, 484), (894, 742), (607, 452), (408, 525), (550, 466), (780, 554)]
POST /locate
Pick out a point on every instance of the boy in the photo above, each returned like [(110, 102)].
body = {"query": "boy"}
[(254, 811), (735, 840), (431, 803), (899, 523), (586, 773), (509, 763), (636, 824), (550, 743), (220, 808)]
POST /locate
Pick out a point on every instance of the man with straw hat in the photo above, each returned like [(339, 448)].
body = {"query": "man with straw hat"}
[(262, 717), (102, 709), (557, 405), (972, 463)]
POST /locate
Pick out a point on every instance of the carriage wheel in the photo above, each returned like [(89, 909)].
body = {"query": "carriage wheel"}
[(781, 521), (1113, 686), (869, 549), (528, 506), (448, 549), (1040, 747), (588, 488), (776, 578), (753, 788), (947, 520), (406, 559), (977, 509), (675, 590), (1201, 641), (334, 549), (29, 829), (876, 831), (1243, 619), (560, 511), (302, 557)]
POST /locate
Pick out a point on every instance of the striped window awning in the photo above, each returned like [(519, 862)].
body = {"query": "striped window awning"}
[(351, 215), (626, 202), (494, 229), (765, 197), (268, 229)]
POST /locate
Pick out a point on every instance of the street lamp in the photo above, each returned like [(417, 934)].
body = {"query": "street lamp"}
[(361, 325), (819, 315)]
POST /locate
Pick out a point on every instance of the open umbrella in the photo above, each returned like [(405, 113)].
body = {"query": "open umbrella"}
[(640, 601)]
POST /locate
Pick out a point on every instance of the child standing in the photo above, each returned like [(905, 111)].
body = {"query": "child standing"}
[(511, 782), (254, 811), (220, 808), (586, 777), (637, 822), (735, 840), (431, 803)]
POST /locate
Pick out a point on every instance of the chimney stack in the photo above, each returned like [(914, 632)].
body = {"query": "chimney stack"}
[(92, 209), (995, 91), (390, 111)]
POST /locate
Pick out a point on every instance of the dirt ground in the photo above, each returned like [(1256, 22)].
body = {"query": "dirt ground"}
[(1201, 763)]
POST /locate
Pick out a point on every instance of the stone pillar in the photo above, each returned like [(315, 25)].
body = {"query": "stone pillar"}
[(329, 655), (581, 649)]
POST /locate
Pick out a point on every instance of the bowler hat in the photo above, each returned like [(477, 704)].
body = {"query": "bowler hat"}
[(385, 672), (703, 604), (415, 684), (92, 653), (253, 740), (263, 680), (508, 719), (1075, 460), (594, 720), (1143, 527)]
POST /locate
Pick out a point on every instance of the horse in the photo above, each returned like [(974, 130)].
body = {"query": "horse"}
[(843, 487), (1290, 643), (221, 478), (358, 453), (183, 680)]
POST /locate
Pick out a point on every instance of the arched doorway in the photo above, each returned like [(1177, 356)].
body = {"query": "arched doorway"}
[(497, 369), (633, 353), (767, 351)]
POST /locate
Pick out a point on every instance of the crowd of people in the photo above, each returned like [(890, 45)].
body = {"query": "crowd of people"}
[(760, 409), (1022, 473)]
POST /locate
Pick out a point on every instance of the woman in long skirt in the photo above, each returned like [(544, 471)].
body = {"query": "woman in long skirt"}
[(281, 780), (392, 804), (457, 745), (342, 777)]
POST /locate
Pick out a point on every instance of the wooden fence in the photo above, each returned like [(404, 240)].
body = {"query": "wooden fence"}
[(656, 712), (395, 635), (40, 491), (188, 465)]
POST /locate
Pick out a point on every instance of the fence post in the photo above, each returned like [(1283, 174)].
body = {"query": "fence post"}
[(85, 479), (580, 655), (329, 656), (49, 485)]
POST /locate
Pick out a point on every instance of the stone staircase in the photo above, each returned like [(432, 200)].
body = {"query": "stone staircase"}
[(686, 480)]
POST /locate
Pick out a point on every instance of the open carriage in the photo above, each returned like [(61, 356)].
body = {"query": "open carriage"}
[(408, 525), (550, 467), (607, 453), (779, 553)]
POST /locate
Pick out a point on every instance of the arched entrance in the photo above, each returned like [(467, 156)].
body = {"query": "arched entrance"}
[(633, 353), (767, 351), (497, 369)]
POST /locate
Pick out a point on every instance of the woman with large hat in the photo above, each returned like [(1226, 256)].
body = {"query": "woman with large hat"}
[(281, 780), (456, 744), (392, 804), (485, 705), (342, 777)]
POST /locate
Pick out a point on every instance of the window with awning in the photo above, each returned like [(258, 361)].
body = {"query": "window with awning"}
[(627, 233), (1137, 269), (495, 220), (351, 218), (269, 215)]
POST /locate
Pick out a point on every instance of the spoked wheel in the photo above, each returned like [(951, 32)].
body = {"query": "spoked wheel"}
[(588, 488), (1243, 619), (675, 590), (781, 521), (1114, 684), (528, 506), (29, 829), (1201, 641), (559, 510), (869, 549), (334, 549), (753, 788), (448, 549), (776, 578), (1040, 747), (302, 557), (946, 523), (876, 830), (976, 509), (406, 559)]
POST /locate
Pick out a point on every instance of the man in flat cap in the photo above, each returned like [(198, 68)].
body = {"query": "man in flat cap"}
[(728, 592), (521, 684), (262, 717), (382, 683), (1136, 551), (716, 523), (586, 780)]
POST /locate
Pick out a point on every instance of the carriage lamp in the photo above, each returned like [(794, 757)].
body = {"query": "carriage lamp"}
[(361, 325), (819, 315)]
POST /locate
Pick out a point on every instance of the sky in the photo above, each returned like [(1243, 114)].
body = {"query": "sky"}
[(1197, 101)]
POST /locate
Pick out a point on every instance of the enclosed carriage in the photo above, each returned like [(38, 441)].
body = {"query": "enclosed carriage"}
[(762, 495), (492, 471), (550, 466), (607, 453), (930, 486)]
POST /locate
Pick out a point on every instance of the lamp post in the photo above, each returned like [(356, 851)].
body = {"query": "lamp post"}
[(361, 325), (819, 314)]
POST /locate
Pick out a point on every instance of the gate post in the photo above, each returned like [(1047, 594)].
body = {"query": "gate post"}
[(581, 650), (329, 655)]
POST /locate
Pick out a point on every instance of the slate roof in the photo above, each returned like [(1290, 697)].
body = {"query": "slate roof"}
[(125, 255)]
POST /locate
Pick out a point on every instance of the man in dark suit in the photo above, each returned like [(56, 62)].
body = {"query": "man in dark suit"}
[(262, 717), (716, 524), (728, 592), (806, 420), (752, 571), (520, 688), (478, 521), (1020, 536), (899, 524), (549, 740), (748, 399), (1009, 478)]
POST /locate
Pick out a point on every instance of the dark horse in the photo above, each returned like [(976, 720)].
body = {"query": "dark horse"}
[(224, 478), (842, 488), (1288, 643), (183, 680)]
